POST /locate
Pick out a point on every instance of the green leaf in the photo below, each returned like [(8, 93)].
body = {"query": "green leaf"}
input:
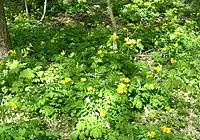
[(96, 133), (75, 135), (27, 73), (137, 102)]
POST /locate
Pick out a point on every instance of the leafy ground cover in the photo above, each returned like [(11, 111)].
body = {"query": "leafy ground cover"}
[(66, 82)]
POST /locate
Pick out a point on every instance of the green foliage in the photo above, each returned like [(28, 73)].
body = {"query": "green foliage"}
[(69, 74)]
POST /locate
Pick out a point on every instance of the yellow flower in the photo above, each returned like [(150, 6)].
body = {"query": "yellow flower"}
[(121, 88), (83, 79), (100, 52), (172, 60), (151, 134), (130, 41), (126, 80), (101, 112), (165, 129), (164, 50), (114, 36), (12, 52), (13, 105), (90, 88), (67, 80), (151, 86), (149, 76), (157, 69), (42, 43)]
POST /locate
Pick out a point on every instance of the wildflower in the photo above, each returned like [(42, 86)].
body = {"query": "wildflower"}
[(149, 76), (101, 112), (151, 134), (121, 88), (83, 79), (150, 86), (164, 50), (157, 69), (100, 52), (42, 43), (12, 52), (130, 41), (67, 80), (90, 88), (172, 60), (165, 129), (126, 80), (13, 105), (114, 36)]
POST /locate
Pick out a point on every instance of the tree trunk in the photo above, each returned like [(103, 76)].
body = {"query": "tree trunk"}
[(5, 41), (44, 12), (114, 25), (26, 7)]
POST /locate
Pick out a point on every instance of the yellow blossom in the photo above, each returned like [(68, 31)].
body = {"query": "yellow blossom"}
[(130, 41), (172, 60), (151, 86), (165, 129), (121, 88), (13, 105), (67, 80), (101, 112), (126, 80), (12, 52), (151, 134), (90, 88), (114, 36), (149, 76), (164, 50), (42, 43), (100, 52), (157, 69), (83, 79)]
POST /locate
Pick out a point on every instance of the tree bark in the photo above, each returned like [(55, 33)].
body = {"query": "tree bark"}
[(44, 12), (5, 41), (114, 25), (26, 7)]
